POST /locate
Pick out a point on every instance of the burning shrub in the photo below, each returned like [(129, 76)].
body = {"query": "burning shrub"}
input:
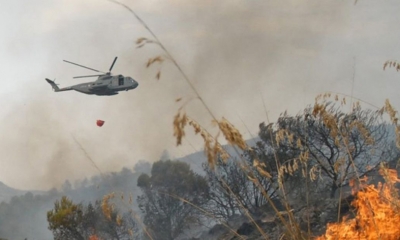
[(377, 213)]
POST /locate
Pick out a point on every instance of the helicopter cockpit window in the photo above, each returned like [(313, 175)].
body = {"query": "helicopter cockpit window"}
[(120, 80)]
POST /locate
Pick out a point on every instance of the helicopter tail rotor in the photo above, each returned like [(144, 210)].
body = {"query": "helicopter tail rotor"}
[(53, 85), (56, 88)]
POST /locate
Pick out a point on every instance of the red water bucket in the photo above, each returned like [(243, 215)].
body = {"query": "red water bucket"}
[(100, 123)]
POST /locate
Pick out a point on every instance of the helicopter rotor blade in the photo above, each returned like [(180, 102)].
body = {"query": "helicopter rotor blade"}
[(83, 66), (112, 65), (88, 76)]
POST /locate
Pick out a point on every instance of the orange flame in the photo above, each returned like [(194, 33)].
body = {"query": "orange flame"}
[(378, 214), (94, 237)]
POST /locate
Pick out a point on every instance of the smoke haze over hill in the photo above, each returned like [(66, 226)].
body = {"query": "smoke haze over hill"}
[(236, 53)]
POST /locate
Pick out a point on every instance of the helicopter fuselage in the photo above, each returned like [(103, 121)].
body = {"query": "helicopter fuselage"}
[(106, 85)]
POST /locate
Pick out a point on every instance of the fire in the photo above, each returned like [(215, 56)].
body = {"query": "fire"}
[(378, 213), (94, 237)]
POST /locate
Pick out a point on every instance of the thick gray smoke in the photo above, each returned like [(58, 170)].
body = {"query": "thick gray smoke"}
[(235, 52)]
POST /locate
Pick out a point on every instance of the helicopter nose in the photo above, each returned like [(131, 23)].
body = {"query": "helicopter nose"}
[(134, 84)]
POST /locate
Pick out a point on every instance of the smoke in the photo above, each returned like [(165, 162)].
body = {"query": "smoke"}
[(236, 53)]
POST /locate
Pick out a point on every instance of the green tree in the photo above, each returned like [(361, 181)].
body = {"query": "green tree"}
[(165, 215), (75, 221), (65, 220)]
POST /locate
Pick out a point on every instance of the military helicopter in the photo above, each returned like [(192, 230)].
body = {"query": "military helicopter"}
[(105, 85)]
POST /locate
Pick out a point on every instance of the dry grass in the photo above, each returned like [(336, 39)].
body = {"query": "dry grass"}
[(212, 147), (393, 117), (392, 63)]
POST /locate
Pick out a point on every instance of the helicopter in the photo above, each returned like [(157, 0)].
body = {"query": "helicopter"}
[(105, 85)]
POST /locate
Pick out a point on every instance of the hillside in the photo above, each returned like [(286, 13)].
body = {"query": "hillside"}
[(6, 192), (23, 213)]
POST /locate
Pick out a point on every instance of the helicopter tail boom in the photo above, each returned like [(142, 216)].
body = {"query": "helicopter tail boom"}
[(56, 88)]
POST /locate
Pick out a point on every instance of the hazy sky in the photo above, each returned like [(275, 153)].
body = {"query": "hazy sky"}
[(235, 52)]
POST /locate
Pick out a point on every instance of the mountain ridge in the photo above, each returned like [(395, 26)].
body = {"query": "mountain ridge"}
[(7, 192)]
